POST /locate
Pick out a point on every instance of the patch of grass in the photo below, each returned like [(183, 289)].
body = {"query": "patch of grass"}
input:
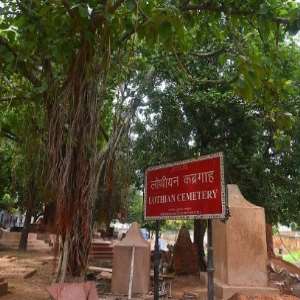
[(293, 257)]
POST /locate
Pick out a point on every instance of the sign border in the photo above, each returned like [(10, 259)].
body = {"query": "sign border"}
[(206, 216)]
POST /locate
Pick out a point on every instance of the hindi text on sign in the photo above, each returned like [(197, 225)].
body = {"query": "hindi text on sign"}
[(202, 177), (187, 189), (164, 182)]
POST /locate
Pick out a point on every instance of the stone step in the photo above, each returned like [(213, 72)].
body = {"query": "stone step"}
[(104, 243), (101, 255), (101, 252), (103, 248)]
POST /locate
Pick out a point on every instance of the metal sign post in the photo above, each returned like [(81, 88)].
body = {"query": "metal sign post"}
[(190, 189), (210, 262), (156, 261)]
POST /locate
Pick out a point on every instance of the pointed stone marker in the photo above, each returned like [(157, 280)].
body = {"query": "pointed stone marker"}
[(185, 254), (122, 260)]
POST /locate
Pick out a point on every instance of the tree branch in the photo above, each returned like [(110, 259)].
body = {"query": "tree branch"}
[(7, 99), (208, 54), (9, 135), (21, 65), (118, 3), (230, 11), (70, 11), (128, 34), (212, 83), (74, 15), (13, 98), (104, 133)]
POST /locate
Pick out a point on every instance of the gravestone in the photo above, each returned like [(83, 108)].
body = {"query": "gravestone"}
[(185, 254), (240, 249), (122, 260), (263, 297)]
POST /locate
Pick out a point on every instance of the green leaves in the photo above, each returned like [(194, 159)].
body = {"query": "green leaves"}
[(294, 21), (164, 25), (41, 89), (282, 141), (199, 100), (10, 33)]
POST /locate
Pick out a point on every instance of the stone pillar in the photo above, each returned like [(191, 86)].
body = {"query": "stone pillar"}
[(122, 258), (240, 249)]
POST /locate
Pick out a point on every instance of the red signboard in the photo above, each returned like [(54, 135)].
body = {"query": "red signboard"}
[(187, 189)]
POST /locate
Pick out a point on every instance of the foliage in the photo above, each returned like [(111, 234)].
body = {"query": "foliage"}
[(175, 225), (257, 131), (293, 257), (6, 193), (21, 153), (135, 209), (7, 203), (136, 214), (114, 197)]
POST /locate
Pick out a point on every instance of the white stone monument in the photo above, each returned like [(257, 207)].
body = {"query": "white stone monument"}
[(131, 264)]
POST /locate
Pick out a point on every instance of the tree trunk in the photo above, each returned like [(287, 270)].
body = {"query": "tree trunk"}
[(49, 217), (25, 231), (199, 232), (63, 264), (75, 160), (269, 239), (29, 213)]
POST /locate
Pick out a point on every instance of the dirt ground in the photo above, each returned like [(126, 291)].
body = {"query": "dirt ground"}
[(187, 284), (14, 266)]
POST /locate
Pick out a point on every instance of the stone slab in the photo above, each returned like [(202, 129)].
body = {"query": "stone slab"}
[(224, 291), (263, 297), (29, 274)]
